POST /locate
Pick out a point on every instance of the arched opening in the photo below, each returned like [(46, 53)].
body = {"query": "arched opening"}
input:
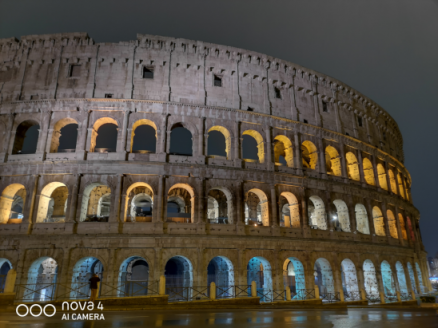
[(179, 275), (220, 270), (382, 177), (5, 266), (181, 142), (370, 279), (40, 280), (388, 279), (362, 224), (410, 229), (392, 181), (324, 277), (392, 225), (379, 225), (12, 203), (104, 136), (220, 206), (290, 210), (412, 278), (283, 153), (368, 172), (316, 213), (53, 203), (257, 208), (133, 277), (181, 204), (294, 277), (333, 161), (26, 138), (342, 215), (401, 278), (219, 142), (259, 270), (400, 186), (309, 154), (349, 280), (420, 277), (96, 203), (139, 203), (352, 167), (64, 137), (253, 148), (83, 270), (144, 137)]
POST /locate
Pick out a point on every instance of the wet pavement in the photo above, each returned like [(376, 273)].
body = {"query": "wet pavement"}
[(373, 318)]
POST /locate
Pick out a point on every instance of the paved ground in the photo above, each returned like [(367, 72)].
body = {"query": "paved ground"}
[(373, 318)]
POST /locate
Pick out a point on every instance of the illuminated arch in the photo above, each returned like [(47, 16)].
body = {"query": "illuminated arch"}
[(333, 161), (392, 181), (382, 177), (352, 167), (294, 210), (263, 204), (392, 224), (91, 196), (401, 222), (368, 172), (229, 198), (401, 277), (96, 127), (191, 192), (343, 216), (131, 201), (52, 203), (21, 136), (294, 277), (309, 154), (139, 123), (400, 186), (259, 270), (316, 213), (389, 285), (379, 225), (349, 278), (260, 144), (283, 147), (8, 197), (362, 219), (227, 137), (370, 279), (324, 276), (54, 144)]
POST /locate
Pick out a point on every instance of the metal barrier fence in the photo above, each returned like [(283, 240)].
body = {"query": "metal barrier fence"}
[(405, 296), (129, 289), (185, 294), (389, 298), (352, 296), (330, 297), (303, 294), (50, 291), (233, 291), (373, 298)]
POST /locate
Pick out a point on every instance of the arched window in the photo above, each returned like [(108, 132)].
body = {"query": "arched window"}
[(389, 285), (64, 137), (316, 213), (349, 280), (12, 202), (368, 172), (96, 203), (134, 277), (40, 280), (333, 161), (309, 154), (370, 279), (82, 272), (379, 225), (392, 181), (26, 138), (294, 277), (179, 278), (139, 203), (259, 270), (219, 142), (258, 209), (253, 146), (324, 276), (52, 205), (289, 209), (342, 215), (392, 225), (352, 167), (362, 219), (220, 270), (283, 153), (382, 177), (180, 204), (220, 206), (104, 136), (181, 141), (143, 137)]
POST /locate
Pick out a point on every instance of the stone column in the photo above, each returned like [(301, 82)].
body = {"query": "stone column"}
[(201, 138), (321, 155), (159, 200), (352, 214), (361, 172), (388, 180), (274, 221), (63, 273), (168, 132), (7, 144), (84, 138), (337, 118), (294, 113), (304, 217), (408, 278), (360, 278), (297, 153), (376, 175), (42, 137), (29, 205), (239, 208), (206, 144), (379, 279), (370, 217), (49, 140), (161, 136), (128, 140), (328, 208), (343, 160), (399, 231), (121, 140), (386, 222), (268, 158), (201, 216), (114, 218), (73, 199)]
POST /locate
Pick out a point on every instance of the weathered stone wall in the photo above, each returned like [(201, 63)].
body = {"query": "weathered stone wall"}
[(304, 110)]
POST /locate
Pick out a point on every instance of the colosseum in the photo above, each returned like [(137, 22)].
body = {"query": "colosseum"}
[(201, 163)]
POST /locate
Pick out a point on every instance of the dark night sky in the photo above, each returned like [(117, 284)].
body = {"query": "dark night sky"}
[(386, 49)]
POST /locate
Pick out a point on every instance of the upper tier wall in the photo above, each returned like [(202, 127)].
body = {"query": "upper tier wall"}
[(39, 67)]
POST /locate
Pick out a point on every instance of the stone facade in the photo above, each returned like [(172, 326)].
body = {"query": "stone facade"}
[(342, 192)]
